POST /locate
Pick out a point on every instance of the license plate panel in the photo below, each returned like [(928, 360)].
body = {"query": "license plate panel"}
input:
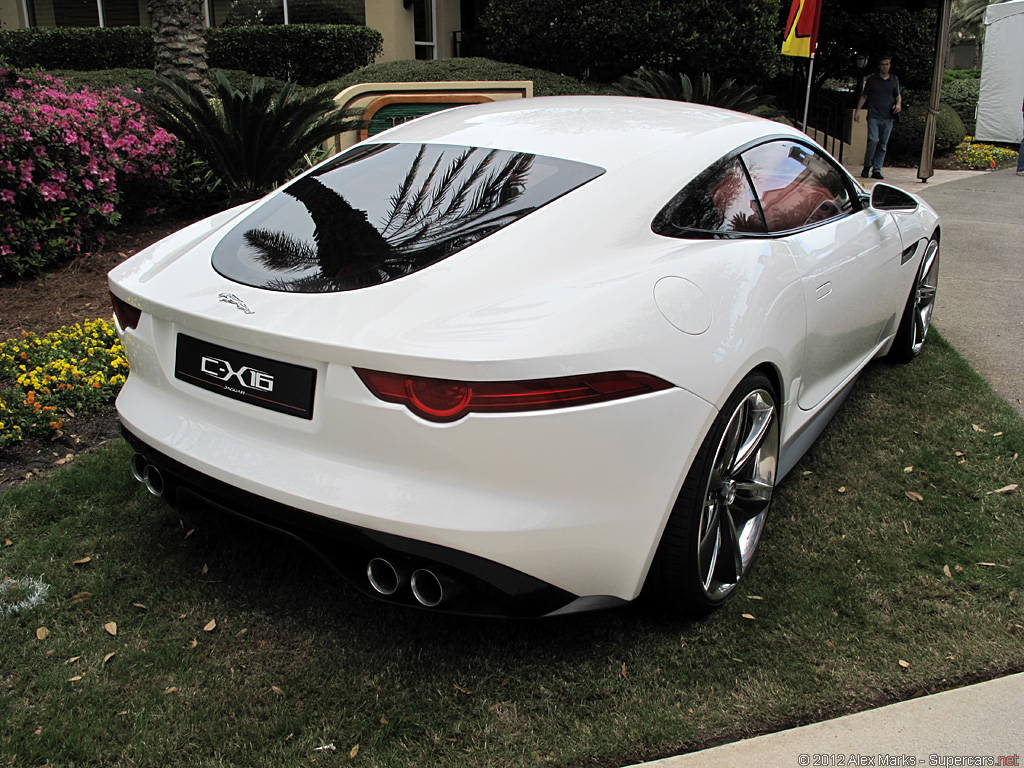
[(260, 381)]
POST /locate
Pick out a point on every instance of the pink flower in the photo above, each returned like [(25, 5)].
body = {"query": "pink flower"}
[(7, 195)]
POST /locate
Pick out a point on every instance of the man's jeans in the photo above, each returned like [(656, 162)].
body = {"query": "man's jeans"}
[(1020, 158), (878, 141)]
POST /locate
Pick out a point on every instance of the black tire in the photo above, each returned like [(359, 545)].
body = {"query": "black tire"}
[(723, 504), (917, 316)]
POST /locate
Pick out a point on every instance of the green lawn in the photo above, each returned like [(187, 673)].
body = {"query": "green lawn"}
[(891, 565)]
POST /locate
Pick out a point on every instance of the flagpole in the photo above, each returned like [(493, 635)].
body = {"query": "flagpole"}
[(807, 100)]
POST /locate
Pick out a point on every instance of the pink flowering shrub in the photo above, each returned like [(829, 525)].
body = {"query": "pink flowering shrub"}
[(66, 160)]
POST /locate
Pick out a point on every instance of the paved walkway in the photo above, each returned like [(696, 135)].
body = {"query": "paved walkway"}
[(980, 310)]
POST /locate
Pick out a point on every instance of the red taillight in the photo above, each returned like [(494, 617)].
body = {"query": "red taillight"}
[(445, 400), (127, 315)]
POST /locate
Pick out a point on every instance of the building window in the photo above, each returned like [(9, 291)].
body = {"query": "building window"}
[(424, 24)]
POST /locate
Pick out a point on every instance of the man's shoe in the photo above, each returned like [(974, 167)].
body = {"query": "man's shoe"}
[(866, 172), (877, 175), (1020, 173)]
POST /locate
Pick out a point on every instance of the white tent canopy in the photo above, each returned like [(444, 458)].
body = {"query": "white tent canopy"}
[(1002, 74)]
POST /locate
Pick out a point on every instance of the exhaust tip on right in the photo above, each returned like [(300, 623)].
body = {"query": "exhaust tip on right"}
[(427, 588)]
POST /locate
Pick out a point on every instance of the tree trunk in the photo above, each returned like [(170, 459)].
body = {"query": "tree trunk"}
[(178, 27)]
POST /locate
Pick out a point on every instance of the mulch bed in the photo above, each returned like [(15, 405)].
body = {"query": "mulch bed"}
[(68, 295)]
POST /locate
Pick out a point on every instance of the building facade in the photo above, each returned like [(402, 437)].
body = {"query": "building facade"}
[(412, 29)]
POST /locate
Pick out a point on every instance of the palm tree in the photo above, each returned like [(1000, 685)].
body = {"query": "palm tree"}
[(426, 218), (251, 140), (178, 37), (659, 84)]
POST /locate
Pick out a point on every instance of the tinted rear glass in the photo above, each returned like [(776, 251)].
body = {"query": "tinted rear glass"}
[(383, 211)]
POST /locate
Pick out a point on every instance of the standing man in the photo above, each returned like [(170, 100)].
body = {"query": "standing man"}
[(882, 94)]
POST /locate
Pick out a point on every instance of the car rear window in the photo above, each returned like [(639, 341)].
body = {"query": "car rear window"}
[(383, 211)]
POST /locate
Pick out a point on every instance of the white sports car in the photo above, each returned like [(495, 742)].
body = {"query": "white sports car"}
[(523, 358)]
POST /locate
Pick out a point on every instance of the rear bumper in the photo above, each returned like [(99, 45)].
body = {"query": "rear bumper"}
[(471, 585)]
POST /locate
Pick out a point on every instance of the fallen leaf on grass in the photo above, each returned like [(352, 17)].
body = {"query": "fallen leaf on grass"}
[(945, 570), (74, 679), (383, 720), (914, 496), (194, 643), (8, 543), (172, 689), (82, 561), (624, 675), (111, 628), (904, 664), (139, 605), (748, 616), (277, 690), (80, 597), (42, 633), (976, 428), (754, 597), (842, 489), (212, 625), (908, 470), (109, 656), (354, 752), (1004, 489), (463, 690), (206, 570), (72, 660)]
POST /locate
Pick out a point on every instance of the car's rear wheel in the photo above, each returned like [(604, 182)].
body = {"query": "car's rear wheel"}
[(716, 524), (917, 316)]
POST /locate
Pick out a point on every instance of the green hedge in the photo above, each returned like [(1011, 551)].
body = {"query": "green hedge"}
[(78, 48), (908, 137), (962, 95), (308, 54)]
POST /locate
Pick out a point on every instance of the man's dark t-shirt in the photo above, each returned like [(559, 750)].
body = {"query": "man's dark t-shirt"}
[(881, 95)]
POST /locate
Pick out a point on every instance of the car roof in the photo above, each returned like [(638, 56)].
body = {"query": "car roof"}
[(608, 131)]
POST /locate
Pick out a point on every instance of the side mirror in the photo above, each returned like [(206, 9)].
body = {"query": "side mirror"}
[(886, 198)]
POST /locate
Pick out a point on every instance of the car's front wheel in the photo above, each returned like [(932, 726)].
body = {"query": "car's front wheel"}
[(917, 316), (713, 531)]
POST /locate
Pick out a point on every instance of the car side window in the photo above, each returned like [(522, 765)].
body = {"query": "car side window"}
[(718, 203), (795, 185)]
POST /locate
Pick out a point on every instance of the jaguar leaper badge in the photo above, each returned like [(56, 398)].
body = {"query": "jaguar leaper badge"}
[(230, 298)]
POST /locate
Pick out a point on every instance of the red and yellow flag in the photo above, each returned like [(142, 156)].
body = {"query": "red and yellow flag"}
[(802, 28)]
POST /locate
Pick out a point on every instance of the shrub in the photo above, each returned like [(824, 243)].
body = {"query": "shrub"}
[(75, 369), (908, 137), (603, 39), (82, 48), (659, 84), (308, 54), (130, 80), (252, 140), (65, 159), (962, 95), (458, 70)]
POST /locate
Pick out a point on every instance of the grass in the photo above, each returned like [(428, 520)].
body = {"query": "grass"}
[(862, 595)]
